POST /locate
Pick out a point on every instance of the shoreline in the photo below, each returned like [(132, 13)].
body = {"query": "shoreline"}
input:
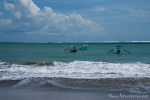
[(54, 93), (131, 85), (9, 90)]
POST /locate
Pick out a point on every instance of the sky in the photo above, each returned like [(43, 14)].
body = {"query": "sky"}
[(74, 20)]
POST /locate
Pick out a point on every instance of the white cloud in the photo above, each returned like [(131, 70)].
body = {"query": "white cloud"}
[(29, 5), (98, 9), (46, 21), (123, 12), (140, 13), (18, 14), (5, 25), (1, 13), (5, 22), (8, 6)]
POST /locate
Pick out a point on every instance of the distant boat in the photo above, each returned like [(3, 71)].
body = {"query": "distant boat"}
[(71, 49), (118, 50), (83, 47)]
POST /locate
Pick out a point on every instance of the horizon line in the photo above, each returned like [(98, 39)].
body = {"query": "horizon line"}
[(87, 42)]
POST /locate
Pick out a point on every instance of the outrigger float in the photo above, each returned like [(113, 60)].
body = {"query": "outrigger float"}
[(74, 49), (84, 47), (119, 50)]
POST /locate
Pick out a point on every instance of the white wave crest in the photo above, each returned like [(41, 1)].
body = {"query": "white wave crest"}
[(76, 69)]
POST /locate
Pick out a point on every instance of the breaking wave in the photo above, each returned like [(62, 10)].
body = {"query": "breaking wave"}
[(131, 77), (75, 69)]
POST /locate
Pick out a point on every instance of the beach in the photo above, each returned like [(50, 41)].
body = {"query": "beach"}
[(44, 71), (49, 94), (104, 89), (63, 94), (66, 94)]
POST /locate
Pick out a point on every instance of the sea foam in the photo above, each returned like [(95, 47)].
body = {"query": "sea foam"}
[(75, 69)]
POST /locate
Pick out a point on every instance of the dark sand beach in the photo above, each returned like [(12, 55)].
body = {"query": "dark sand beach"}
[(65, 94), (50, 94), (9, 91)]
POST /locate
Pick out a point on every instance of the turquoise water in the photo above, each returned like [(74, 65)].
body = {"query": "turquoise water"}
[(25, 52)]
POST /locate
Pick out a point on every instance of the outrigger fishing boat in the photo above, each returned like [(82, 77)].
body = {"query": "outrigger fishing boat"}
[(74, 49), (71, 49), (119, 50), (83, 47)]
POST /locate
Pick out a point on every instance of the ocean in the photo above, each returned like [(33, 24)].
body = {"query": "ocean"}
[(96, 69)]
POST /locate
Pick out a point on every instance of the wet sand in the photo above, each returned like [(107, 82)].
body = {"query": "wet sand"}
[(10, 90), (55, 93)]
